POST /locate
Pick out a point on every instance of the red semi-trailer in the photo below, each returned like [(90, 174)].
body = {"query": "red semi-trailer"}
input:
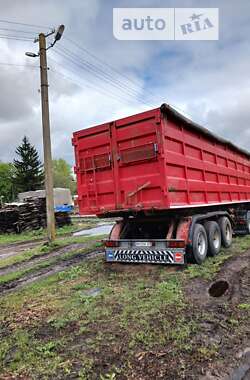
[(179, 190)]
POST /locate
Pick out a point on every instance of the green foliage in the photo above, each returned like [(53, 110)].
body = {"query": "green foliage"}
[(28, 168), (42, 233), (47, 349), (7, 193), (213, 264), (108, 376), (63, 175), (208, 352), (244, 306)]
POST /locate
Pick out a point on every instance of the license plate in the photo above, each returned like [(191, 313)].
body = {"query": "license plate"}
[(143, 244)]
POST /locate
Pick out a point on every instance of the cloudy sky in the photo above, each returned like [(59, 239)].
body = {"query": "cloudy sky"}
[(95, 78)]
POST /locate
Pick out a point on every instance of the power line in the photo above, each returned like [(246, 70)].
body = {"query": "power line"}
[(94, 71), (86, 84), (17, 38), (100, 60), (17, 31), (18, 65), (112, 72), (107, 65), (103, 75), (83, 64), (120, 91), (83, 83), (114, 69), (118, 81), (24, 24)]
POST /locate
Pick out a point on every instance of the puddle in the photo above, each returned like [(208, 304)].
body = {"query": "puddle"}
[(99, 230), (93, 292), (108, 223)]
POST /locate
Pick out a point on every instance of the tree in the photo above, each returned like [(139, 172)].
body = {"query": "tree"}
[(7, 192), (28, 169), (63, 175)]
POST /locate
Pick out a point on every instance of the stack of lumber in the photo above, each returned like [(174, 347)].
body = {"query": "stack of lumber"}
[(8, 220), (28, 215), (38, 206)]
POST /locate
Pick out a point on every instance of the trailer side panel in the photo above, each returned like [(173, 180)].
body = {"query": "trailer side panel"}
[(157, 160)]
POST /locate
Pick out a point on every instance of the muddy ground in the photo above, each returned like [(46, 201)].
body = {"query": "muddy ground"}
[(66, 314), (40, 273)]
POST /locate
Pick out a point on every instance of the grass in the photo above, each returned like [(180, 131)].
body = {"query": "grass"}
[(44, 248), (54, 328), (212, 264), (71, 315), (42, 233), (244, 306)]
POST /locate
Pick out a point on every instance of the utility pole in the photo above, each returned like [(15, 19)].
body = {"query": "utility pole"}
[(49, 185)]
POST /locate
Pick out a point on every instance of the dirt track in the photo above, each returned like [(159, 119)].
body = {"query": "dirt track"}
[(38, 259), (236, 348), (13, 249), (56, 267)]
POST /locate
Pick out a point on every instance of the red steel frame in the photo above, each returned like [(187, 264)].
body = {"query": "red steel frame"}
[(157, 160)]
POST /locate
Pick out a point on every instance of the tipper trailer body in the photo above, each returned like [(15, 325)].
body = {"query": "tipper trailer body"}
[(163, 175)]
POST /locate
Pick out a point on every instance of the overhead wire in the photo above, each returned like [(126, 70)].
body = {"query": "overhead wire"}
[(107, 65), (98, 87), (83, 64), (85, 84), (25, 24), (18, 31), (109, 70), (112, 68), (17, 38), (18, 65), (102, 62)]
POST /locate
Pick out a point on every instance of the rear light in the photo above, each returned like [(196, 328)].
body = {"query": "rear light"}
[(178, 257), (111, 243), (176, 244)]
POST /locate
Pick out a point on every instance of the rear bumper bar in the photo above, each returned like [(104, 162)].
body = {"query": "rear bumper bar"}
[(156, 256)]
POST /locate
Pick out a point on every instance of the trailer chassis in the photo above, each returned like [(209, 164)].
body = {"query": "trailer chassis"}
[(189, 238)]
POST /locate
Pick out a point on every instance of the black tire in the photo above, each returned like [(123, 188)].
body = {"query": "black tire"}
[(213, 237), (248, 222), (248, 226), (226, 232), (199, 244)]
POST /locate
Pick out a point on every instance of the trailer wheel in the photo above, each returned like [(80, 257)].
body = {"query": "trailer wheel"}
[(248, 222), (200, 244), (214, 237), (248, 226), (226, 232)]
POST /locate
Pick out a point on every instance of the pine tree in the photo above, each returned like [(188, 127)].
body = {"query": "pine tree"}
[(28, 169)]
